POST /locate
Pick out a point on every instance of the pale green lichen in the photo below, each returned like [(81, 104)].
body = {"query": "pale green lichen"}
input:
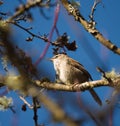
[(5, 103), (15, 82), (75, 3), (111, 74), (4, 26), (4, 61)]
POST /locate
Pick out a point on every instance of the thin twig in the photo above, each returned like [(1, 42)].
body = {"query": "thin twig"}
[(25, 102), (96, 2), (104, 74), (35, 117), (27, 30)]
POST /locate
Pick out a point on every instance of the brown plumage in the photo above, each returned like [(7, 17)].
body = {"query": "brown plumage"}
[(70, 71)]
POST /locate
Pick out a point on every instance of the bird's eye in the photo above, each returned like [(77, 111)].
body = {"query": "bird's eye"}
[(56, 56)]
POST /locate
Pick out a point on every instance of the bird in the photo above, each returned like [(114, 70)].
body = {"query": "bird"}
[(70, 71)]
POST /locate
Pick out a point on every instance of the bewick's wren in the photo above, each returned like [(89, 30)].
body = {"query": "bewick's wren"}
[(70, 71)]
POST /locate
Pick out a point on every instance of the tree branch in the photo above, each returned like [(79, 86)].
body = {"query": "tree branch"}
[(26, 7), (78, 87), (8, 80), (90, 27)]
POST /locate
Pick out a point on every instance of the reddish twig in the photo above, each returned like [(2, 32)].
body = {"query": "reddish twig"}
[(57, 9), (87, 110)]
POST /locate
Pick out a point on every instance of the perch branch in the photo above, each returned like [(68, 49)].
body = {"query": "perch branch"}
[(78, 87), (4, 81)]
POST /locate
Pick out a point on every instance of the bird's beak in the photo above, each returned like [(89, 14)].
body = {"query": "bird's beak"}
[(50, 59)]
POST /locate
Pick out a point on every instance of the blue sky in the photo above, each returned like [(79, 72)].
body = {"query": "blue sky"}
[(90, 53)]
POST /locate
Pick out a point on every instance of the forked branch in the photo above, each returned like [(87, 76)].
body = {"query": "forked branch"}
[(90, 27)]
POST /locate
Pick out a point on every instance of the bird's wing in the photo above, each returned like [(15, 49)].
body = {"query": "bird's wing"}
[(79, 66)]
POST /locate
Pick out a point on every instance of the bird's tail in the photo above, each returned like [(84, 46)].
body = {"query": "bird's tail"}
[(95, 96)]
